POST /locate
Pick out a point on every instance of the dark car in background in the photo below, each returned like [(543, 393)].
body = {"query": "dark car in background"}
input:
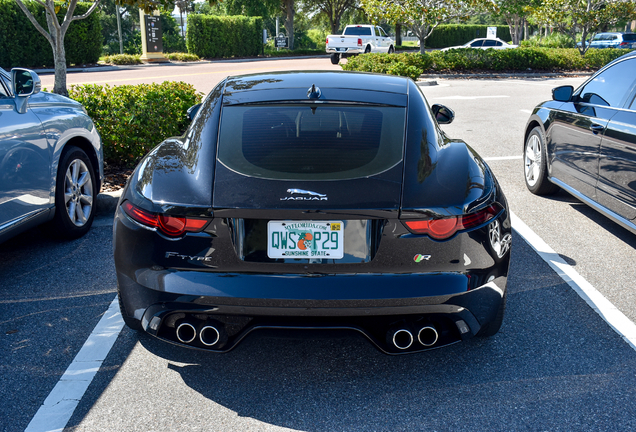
[(51, 162), (584, 141), (313, 200)]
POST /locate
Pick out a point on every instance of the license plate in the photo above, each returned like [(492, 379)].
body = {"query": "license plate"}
[(341, 49), (305, 239)]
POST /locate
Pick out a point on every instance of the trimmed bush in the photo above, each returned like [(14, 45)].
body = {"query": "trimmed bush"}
[(182, 57), (402, 64), (211, 36), (467, 59), (123, 59), (22, 45), (447, 35), (554, 40), (132, 119)]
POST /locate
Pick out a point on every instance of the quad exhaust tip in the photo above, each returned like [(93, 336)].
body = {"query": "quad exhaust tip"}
[(402, 339), (427, 336), (209, 335), (186, 332)]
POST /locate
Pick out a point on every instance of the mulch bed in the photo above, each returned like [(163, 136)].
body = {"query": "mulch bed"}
[(115, 178)]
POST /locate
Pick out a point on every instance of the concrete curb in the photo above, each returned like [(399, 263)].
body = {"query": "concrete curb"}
[(106, 203)]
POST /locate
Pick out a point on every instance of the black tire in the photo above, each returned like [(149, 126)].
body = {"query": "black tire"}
[(131, 323), (367, 50), (75, 194), (492, 328), (391, 50), (535, 169), (335, 58)]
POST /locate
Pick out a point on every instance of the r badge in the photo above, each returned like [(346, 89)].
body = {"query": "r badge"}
[(419, 257)]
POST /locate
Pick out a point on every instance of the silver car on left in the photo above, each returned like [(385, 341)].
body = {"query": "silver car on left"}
[(51, 159)]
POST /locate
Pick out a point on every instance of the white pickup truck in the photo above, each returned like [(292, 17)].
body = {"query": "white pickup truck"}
[(357, 39)]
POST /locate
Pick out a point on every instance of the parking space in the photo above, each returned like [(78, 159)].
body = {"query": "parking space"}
[(555, 365)]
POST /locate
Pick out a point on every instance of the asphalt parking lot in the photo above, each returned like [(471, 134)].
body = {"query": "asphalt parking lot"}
[(555, 365)]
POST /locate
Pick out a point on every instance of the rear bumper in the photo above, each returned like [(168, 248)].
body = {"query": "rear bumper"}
[(349, 51), (372, 304)]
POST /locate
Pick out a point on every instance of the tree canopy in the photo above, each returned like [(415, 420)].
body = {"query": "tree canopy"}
[(422, 16), (585, 16)]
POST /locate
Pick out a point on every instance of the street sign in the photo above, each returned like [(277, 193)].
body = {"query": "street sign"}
[(492, 33), (281, 42), (154, 43)]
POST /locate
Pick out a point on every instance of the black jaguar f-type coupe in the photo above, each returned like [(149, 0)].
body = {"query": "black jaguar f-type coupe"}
[(313, 200)]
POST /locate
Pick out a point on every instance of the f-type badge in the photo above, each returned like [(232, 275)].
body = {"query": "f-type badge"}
[(312, 196)]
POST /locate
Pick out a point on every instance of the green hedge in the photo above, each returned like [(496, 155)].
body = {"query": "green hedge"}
[(213, 36), (22, 45), (467, 59), (132, 119), (402, 64), (458, 34)]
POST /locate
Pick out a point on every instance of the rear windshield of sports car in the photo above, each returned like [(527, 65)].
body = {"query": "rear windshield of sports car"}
[(311, 142)]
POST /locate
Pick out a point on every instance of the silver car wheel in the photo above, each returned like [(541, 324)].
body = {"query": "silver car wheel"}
[(78, 192), (533, 160)]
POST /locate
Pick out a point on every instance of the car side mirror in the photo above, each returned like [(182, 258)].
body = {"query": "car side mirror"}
[(563, 93), (25, 82), (443, 114), (193, 110)]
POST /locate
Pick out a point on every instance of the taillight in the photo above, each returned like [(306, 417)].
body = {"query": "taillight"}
[(327, 41), (443, 228), (623, 45), (172, 226)]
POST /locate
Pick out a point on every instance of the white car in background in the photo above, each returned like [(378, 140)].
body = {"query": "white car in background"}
[(484, 43)]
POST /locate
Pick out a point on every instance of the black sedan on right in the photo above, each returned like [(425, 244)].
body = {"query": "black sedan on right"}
[(584, 141)]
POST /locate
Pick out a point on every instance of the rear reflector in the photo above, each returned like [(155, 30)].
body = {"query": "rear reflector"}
[(172, 226), (443, 228)]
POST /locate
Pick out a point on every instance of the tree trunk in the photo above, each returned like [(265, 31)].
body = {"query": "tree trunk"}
[(515, 27), (289, 22), (398, 34), (59, 54), (422, 45)]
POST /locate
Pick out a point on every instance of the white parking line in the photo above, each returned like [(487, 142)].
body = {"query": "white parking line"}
[(614, 317), (526, 111), (58, 407)]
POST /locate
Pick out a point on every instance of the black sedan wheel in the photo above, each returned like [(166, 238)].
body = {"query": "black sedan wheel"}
[(534, 157), (74, 194)]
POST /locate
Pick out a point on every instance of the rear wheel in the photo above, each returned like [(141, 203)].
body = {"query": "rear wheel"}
[(75, 193), (335, 58), (535, 164), (367, 50), (391, 49)]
